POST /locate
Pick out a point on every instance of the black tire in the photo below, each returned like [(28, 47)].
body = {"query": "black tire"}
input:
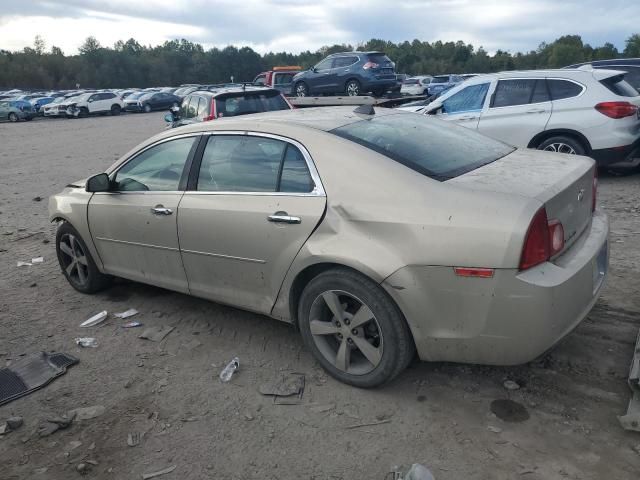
[(84, 112), (85, 276), (116, 110), (352, 88), (386, 332), (28, 119), (301, 89), (13, 118), (563, 144), (379, 92), (147, 108)]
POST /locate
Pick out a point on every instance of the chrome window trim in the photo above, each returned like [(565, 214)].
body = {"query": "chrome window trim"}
[(498, 80), (318, 189), (584, 88)]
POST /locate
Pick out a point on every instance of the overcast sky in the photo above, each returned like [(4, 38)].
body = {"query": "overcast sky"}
[(295, 25)]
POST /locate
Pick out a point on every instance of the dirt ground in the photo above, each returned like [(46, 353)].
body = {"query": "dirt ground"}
[(435, 414)]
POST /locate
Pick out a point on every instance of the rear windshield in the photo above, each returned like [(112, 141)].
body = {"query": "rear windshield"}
[(244, 103), (380, 58), (427, 145), (411, 81), (442, 79), (619, 86)]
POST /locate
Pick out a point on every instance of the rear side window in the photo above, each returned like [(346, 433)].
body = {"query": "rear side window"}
[(466, 100), (344, 61), (411, 81), (619, 86), (633, 76), (283, 78), (440, 79), (246, 103), (427, 145), (513, 92), (203, 108), (560, 89), (295, 176)]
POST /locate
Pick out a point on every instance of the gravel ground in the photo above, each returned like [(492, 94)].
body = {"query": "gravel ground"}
[(437, 414)]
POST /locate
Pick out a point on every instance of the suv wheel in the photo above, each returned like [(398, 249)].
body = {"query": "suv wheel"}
[(84, 112), (13, 117), (115, 110), (352, 88), (301, 89), (354, 329), (562, 144)]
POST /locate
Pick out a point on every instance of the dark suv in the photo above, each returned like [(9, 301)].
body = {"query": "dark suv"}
[(629, 65), (349, 73)]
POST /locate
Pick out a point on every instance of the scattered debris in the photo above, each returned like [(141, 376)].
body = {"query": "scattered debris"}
[(87, 413), (147, 476), (493, 429), (511, 385), (286, 389), (419, 472), (83, 468), (126, 314), (229, 370), (73, 445), (24, 264), (369, 424), (4, 428), (52, 425), (37, 199), (133, 439), (95, 320), (92, 446), (40, 471), (509, 411), (157, 334), (14, 423), (248, 417), (86, 342), (37, 260), (132, 325)]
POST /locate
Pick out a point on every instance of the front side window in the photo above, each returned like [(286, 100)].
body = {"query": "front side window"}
[(157, 169), (239, 163), (325, 64), (561, 89), (260, 80), (513, 92), (203, 109), (283, 78), (440, 79), (466, 100)]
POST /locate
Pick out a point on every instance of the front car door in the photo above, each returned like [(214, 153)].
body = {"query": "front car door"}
[(93, 102), (242, 221), (520, 108), (319, 78), (4, 111), (465, 106), (133, 226)]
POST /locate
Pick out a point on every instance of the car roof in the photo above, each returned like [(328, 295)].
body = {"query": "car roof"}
[(226, 90), (612, 61), (576, 73), (373, 52)]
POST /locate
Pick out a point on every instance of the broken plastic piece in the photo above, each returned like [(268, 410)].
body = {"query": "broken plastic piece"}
[(129, 313), (229, 370), (87, 342), (37, 260), (132, 325), (419, 472), (24, 264), (96, 319), (147, 476)]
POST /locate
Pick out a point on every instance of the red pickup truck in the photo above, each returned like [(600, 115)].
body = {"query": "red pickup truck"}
[(280, 78)]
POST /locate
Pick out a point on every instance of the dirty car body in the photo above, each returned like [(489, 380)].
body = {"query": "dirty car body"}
[(334, 221)]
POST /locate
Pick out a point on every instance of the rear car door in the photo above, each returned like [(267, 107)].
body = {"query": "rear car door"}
[(134, 226), (342, 70), (519, 109), (465, 106), (252, 202)]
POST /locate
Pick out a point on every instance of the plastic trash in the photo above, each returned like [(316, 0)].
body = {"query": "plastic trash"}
[(229, 370), (419, 472), (129, 313), (132, 325), (37, 260), (24, 264), (95, 320), (87, 342)]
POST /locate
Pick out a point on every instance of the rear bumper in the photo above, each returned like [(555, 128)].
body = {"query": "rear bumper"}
[(375, 83), (625, 154), (509, 319)]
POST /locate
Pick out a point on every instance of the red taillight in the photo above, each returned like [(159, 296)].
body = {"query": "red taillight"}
[(544, 239), (594, 188), (617, 109), (369, 65)]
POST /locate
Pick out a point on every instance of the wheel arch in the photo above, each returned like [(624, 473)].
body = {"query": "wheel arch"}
[(542, 136)]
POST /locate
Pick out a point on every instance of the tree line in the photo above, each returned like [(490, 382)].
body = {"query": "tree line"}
[(130, 64)]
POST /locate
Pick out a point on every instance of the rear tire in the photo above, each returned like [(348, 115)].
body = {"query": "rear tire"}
[(116, 110), (76, 262), (352, 88), (563, 144), (370, 345), (13, 118)]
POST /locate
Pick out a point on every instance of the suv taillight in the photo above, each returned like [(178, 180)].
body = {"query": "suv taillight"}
[(594, 189), (369, 65), (617, 109), (544, 239)]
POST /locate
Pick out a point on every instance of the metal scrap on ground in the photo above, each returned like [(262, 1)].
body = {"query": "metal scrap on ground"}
[(284, 388)]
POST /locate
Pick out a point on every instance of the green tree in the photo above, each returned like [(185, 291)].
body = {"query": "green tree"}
[(632, 48)]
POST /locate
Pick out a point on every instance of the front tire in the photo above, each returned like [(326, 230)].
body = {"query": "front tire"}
[(354, 329), (563, 144), (13, 118), (301, 89), (352, 88), (147, 108), (116, 110), (77, 263), (84, 112)]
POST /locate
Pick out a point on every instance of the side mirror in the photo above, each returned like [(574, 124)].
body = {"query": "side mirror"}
[(313, 69), (98, 183)]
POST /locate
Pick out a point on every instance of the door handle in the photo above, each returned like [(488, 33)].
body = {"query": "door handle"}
[(160, 210), (538, 110), (469, 117), (283, 217)]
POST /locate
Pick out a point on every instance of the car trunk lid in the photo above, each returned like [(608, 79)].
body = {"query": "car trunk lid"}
[(562, 183)]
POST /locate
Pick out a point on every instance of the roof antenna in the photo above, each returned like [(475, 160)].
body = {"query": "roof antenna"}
[(365, 110)]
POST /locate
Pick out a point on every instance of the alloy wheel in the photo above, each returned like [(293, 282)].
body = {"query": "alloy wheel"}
[(73, 259), (301, 90), (13, 117), (353, 89), (560, 148), (346, 332)]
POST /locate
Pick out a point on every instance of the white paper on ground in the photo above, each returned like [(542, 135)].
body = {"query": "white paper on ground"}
[(129, 313), (37, 260), (96, 319), (24, 264)]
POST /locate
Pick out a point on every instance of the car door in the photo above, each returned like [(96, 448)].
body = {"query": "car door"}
[(341, 71), (465, 106), (520, 108), (319, 78), (4, 111), (134, 225), (93, 103), (254, 203)]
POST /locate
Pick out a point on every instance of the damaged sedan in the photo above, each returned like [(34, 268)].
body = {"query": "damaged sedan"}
[(379, 234)]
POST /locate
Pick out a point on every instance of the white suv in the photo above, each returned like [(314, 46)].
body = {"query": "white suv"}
[(416, 85), (95, 103), (581, 111)]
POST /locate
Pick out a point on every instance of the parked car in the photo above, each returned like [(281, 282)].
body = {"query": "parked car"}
[(416, 85), (149, 101), (202, 106), (280, 78), (430, 237), (15, 110), (629, 65), (348, 73), (99, 103), (580, 111), (184, 91), (441, 83), (40, 102), (58, 107)]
